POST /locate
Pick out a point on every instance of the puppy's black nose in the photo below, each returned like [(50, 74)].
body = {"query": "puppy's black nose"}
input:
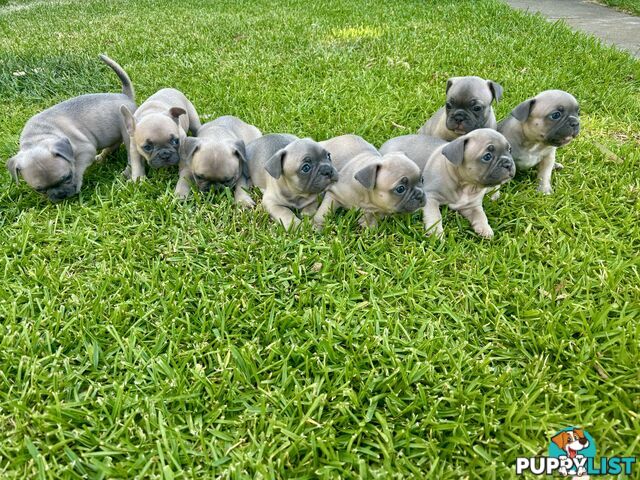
[(419, 194), (458, 116), (583, 441), (327, 171), (506, 162), (574, 122)]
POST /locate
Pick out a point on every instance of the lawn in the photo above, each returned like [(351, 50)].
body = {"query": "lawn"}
[(630, 6), (144, 337)]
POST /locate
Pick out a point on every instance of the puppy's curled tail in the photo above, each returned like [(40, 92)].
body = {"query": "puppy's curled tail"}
[(127, 86)]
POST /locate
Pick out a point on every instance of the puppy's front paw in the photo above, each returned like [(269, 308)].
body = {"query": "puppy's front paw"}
[(485, 231), (126, 173), (558, 166), (140, 178), (291, 224), (245, 201), (367, 221), (545, 189), (436, 230), (495, 196)]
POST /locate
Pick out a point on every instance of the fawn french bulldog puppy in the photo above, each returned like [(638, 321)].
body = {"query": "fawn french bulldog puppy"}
[(376, 184), (157, 129), (537, 127), (217, 157), (60, 143), (468, 107), (291, 172), (459, 173)]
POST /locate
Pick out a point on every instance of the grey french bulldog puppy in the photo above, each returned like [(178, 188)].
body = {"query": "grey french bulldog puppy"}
[(459, 173), (157, 129), (217, 157), (60, 143), (291, 172), (468, 107), (537, 127), (377, 184)]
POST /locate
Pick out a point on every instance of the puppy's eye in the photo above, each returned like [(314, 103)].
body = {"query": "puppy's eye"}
[(66, 178), (400, 189), (306, 168), (555, 115), (328, 156), (477, 108), (487, 157), (447, 106), (147, 148), (421, 179), (40, 189), (175, 142)]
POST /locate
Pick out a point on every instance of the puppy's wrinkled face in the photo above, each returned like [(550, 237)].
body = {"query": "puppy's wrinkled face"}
[(216, 164), (46, 171), (398, 184), (157, 139), (554, 118), (468, 104), (487, 158), (307, 167)]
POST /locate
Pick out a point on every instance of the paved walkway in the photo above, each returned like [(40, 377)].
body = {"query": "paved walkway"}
[(611, 26)]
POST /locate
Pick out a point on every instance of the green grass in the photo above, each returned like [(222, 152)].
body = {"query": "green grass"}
[(142, 337), (630, 6)]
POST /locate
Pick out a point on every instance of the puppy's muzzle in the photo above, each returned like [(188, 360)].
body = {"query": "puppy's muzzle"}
[(414, 200), (459, 121), (329, 172), (58, 194), (164, 158)]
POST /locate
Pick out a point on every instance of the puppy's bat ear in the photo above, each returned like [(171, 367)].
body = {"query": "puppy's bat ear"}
[(367, 176), (496, 90), (129, 121), (190, 145), (274, 164), (62, 148), (241, 153), (176, 113), (522, 111), (454, 151), (450, 83), (14, 168), (560, 440)]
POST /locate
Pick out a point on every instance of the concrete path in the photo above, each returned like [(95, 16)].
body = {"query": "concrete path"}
[(611, 26)]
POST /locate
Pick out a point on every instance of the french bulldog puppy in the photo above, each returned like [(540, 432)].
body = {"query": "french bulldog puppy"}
[(291, 172), (60, 143), (537, 127), (467, 108), (217, 156), (157, 129), (459, 173), (376, 184)]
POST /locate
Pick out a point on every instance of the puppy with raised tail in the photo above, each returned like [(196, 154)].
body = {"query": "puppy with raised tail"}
[(217, 157), (468, 107), (157, 129), (377, 184), (459, 174), (537, 127), (60, 143), (291, 172)]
